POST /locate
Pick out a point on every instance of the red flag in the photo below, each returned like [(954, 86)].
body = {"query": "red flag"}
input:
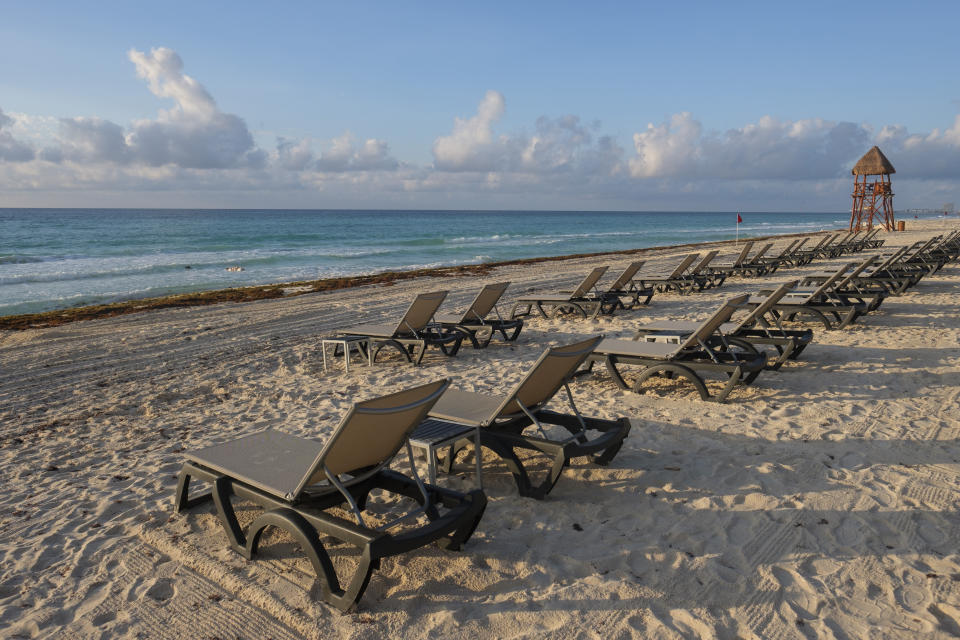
[(739, 219)]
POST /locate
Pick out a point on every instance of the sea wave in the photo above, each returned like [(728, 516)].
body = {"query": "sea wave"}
[(19, 259)]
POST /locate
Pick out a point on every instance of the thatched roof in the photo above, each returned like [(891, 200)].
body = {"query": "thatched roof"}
[(873, 163)]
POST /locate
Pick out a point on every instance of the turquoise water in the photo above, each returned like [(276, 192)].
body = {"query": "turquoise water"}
[(58, 258)]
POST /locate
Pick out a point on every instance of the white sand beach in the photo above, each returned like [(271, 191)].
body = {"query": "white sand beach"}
[(823, 501)]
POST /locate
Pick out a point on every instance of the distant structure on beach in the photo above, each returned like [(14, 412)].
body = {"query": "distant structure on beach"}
[(872, 192)]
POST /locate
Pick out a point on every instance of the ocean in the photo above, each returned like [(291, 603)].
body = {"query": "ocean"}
[(58, 258)]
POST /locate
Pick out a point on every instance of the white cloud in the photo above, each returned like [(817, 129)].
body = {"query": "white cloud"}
[(933, 155), (767, 149), (92, 140), (347, 154), (11, 149), (294, 156), (471, 146), (193, 134), (561, 145)]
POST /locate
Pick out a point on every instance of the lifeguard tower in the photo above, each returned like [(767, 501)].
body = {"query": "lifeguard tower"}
[(872, 192)]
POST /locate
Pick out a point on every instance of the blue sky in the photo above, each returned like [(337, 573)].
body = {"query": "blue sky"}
[(496, 105)]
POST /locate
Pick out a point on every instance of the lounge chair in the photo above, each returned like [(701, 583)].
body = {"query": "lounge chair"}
[(846, 289), (475, 322), (703, 274), (296, 481), (801, 257), (413, 333), (515, 420), (624, 292), (583, 300), (673, 281), (753, 267), (699, 353), (823, 303), (753, 328), (871, 241), (729, 269), (772, 263)]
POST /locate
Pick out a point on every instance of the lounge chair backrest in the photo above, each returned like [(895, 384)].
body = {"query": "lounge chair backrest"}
[(707, 259), (758, 311), (759, 254), (485, 301), (803, 241), (420, 312), (827, 284), (588, 282), (683, 266), (860, 268), (743, 254), (711, 324), (546, 376), (893, 257), (926, 246), (787, 249), (624, 280), (820, 244), (372, 433)]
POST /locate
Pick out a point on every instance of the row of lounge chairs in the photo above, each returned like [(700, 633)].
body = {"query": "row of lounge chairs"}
[(312, 489)]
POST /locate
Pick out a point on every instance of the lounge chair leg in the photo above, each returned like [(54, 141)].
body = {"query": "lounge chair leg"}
[(731, 383), (687, 373), (610, 363), (787, 352), (516, 333), (514, 465), (222, 490), (849, 318), (306, 536), (478, 504), (182, 499), (423, 349), (390, 343)]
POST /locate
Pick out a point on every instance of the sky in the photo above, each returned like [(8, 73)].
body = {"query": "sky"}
[(711, 106)]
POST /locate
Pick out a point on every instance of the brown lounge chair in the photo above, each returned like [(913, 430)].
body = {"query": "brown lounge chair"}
[(413, 333), (583, 300), (676, 280), (823, 303), (624, 292), (753, 328), (297, 481), (515, 420), (475, 322), (700, 352), (729, 269)]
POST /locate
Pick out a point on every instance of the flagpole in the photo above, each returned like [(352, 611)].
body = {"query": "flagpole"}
[(738, 227)]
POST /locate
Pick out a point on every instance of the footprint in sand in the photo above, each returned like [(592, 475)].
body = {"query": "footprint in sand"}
[(739, 532), (820, 567), (911, 598), (797, 593), (849, 533), (930, 532), (853, 461), (161, 590)]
